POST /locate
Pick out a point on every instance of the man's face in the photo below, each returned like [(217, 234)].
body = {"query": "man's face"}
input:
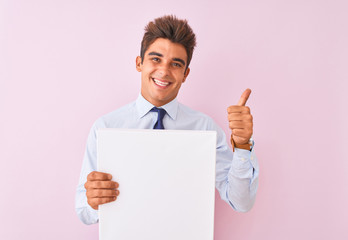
[(162, 71)]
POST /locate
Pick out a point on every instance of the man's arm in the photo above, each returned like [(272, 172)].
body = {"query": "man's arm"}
[(237, 173), (94, 188)]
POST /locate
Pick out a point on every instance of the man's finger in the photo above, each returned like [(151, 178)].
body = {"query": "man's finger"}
[(240, 125), (238, 109), (95, 176), (100, 193), (95, 202), (246, 117), (101, 184), (242, 133), (244, 98)]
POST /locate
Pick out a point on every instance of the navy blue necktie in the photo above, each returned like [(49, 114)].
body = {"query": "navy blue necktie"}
[(161, 112)]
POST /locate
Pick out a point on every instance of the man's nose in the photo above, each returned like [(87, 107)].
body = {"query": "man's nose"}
[(164, 69)]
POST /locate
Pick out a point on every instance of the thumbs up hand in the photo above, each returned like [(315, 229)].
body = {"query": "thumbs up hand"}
[(240, 122)]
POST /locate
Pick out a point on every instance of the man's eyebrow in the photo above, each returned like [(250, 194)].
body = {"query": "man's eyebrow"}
[(156, 54), (179, 60)]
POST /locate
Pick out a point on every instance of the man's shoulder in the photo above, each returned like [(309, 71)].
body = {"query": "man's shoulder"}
[(119, 115), (197, 117), (192, 112)]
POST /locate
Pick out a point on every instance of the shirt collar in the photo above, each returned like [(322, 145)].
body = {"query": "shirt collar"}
[(143, 107)]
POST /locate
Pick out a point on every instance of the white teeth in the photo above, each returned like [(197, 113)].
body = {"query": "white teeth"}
[(158, 82)]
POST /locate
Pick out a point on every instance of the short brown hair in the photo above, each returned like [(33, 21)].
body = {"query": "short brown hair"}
[(173, 29)]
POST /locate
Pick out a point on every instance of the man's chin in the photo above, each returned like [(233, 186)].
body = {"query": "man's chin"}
[(161, 100)]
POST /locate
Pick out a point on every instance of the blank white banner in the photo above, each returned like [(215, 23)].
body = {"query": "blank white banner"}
[(167, 184)]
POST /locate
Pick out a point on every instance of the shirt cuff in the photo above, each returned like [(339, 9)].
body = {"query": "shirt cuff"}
[(244, 159)]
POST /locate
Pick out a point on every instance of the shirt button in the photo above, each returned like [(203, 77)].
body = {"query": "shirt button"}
[(243, 159)]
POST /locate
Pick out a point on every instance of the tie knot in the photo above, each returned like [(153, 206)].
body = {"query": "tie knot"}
[(161, 112)]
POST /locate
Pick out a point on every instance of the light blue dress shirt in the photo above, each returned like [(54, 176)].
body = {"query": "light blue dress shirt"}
[(236, 172)]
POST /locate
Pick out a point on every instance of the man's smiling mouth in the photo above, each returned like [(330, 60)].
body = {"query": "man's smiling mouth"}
[(160, 82)]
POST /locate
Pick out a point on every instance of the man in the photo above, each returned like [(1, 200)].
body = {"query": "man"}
[(166, 52)]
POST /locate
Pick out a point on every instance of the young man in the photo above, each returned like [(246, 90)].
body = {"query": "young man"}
[(166, 52)]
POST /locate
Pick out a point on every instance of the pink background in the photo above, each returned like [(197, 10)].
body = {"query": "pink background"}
[(65, 63)]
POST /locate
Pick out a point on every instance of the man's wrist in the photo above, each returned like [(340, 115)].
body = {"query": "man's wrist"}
[(246, 146)]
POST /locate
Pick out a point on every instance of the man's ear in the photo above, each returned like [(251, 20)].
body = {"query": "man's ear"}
[(138, 64), (186, 74)]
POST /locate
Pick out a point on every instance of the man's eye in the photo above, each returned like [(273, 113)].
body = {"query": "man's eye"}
[(176, 64), (155, 59)]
